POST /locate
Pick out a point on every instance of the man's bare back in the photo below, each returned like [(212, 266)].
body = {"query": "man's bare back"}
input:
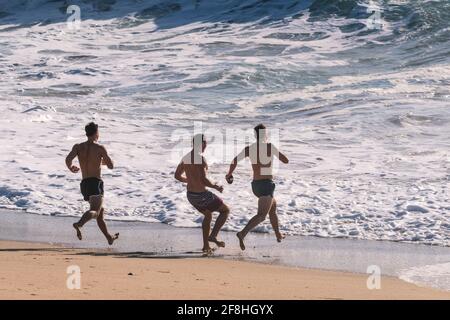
[(195, 173), (261, 154), (192, 170), (261, 157), (91, 156)]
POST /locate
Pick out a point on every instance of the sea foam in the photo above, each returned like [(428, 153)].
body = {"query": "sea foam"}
[(362, 113)]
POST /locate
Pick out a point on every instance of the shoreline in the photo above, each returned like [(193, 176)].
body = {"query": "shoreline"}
[(156, 240), (109, 219), (40, 271)]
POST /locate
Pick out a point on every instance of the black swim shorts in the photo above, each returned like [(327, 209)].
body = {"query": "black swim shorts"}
[(262, 188), (91, 187)]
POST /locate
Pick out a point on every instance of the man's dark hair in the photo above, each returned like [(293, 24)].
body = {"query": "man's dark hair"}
[(91, 129), (197, 137), (258, 129), (198, 140)]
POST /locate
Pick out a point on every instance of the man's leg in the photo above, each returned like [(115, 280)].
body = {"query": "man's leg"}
[(102, 225), (221, 219), (206, 227), (95, 203), (274, 221), (264, 205)]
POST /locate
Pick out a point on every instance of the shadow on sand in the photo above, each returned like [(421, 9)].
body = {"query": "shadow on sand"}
[(149, 255), (136, 254)]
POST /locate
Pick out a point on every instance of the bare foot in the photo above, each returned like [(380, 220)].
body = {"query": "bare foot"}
[(241, 241), (111, 239), (207, 251), (220, 244), (79, 236), (280, 237)]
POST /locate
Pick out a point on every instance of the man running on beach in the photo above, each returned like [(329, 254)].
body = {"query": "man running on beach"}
[(91, 157), (261, 155), (195, 168)]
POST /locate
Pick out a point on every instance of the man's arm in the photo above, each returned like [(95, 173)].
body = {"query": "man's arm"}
[(242, 155), (179, 173), (72, 154), (278, 154), (106, 159), (205, 179)]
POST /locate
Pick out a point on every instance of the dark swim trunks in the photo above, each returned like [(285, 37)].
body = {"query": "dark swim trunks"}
[(204, 201), (263, 188), (91, 187)]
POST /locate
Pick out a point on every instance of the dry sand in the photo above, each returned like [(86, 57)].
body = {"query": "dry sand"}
[(39, 271)]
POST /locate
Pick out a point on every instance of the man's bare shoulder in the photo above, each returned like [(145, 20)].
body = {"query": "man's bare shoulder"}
[(74, 151), (81, 145), (251, 149), (76, 146), (101, 148), (190, 159), (272, 148), (186, 158)]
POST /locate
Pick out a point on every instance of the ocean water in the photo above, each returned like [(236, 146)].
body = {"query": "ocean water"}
[(362, 113), (436, 276)]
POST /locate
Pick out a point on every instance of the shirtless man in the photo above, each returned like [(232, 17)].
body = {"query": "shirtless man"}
[(195, 168), (91, 157), (261, 155)]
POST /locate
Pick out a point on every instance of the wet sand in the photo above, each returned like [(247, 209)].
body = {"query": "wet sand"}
[(39, 271), (156, 261)]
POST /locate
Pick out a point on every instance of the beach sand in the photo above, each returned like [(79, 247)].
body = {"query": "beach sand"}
[(39, 271)]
